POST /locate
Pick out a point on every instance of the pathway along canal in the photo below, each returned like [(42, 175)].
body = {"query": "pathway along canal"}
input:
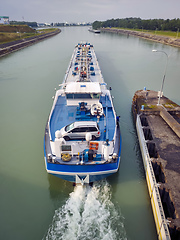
[(35, 205)]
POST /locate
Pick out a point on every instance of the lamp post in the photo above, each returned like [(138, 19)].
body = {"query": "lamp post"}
[(164, 76)]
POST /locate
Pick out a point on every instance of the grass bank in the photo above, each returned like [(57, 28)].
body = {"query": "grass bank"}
[(155, 32), (9, 33), (163, 37)]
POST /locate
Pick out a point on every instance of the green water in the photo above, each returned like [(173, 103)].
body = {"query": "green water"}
[(29, 196)]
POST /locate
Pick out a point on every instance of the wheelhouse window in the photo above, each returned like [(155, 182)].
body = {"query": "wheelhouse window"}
[(82, 95), (69, 96), (95, 95)]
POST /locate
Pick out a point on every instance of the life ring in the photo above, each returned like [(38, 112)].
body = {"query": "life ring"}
[(66, 157), (97, 109), (93, 145)]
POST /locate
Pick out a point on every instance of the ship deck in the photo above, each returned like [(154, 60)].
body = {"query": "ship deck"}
[(63, 115)]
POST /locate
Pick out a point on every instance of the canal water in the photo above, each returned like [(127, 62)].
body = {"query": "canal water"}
[(35, 205)]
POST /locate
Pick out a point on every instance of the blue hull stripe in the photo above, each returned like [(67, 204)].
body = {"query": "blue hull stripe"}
[(82, 169), (72, 178)]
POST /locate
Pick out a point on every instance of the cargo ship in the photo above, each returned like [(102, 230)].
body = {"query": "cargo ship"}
[(82, 142)]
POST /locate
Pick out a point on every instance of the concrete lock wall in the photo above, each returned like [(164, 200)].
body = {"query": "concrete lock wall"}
[(170, 121), (158, 212)]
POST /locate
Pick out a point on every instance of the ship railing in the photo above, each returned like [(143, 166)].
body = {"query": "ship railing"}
[(69, 67), (107, 134), (101, 76)]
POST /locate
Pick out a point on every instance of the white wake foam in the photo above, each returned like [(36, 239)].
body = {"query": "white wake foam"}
[(88, 214)]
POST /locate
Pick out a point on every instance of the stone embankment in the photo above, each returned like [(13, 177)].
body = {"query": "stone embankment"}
[(153, 37), (158, 128), (10, 47)]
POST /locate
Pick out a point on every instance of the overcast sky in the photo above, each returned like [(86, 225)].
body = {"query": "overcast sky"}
[(87, 10)]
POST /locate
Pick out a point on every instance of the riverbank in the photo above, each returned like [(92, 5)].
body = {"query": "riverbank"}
[(7, 48), (175, 42), (158, 129)]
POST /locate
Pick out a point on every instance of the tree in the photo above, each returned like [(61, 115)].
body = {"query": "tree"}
[(149, 24)]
